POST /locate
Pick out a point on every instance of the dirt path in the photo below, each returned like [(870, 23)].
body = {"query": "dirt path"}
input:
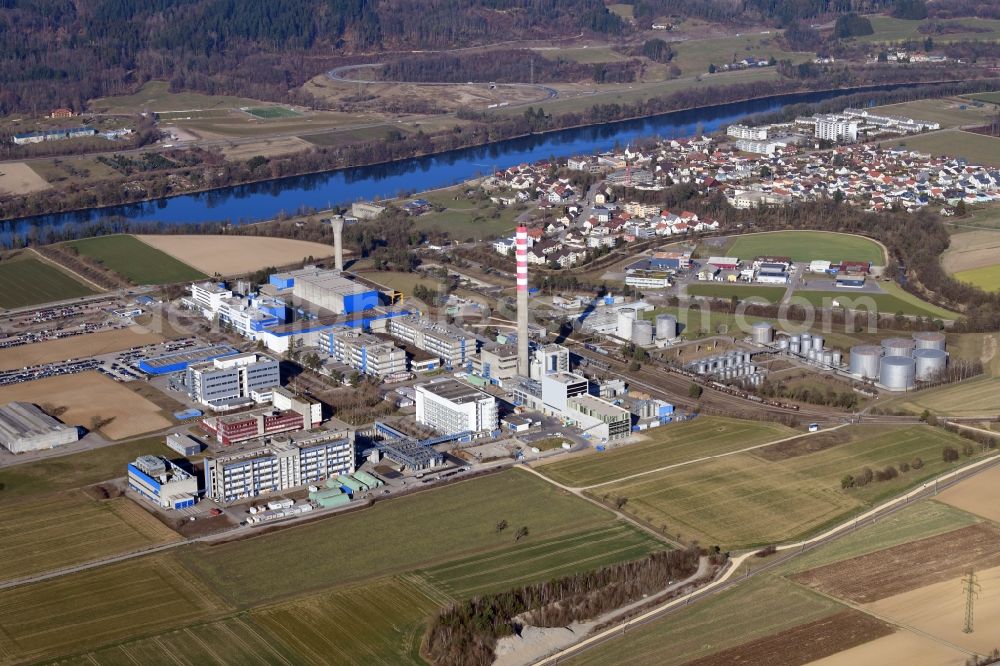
[(66, 269)]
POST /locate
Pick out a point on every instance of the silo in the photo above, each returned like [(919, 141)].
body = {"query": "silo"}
[(702, 368), (838, 359), (762, 333), (666, 327), (811, 354), (896, 373), (796, 340), (806, 340), (818, 342), (626, 317), (795, 348), (929, 340), (898, 346), (929, 363), (746, 357), (783, 344), (828, 358), (642, 332), (864, 361)]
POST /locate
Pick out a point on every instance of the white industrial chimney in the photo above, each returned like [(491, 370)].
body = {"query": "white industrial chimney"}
[(338, 241)]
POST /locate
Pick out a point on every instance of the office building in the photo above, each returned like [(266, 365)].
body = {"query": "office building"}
[(451, 407), (231, 381), (24, 427), (285, 463), (364, 352), (236, 428), (208, 297), (311, 410), (451, 344), (559, 387), (162, 482)]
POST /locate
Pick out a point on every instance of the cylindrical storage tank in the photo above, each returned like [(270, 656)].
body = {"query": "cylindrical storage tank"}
[(794, 347), (796, 340), (818, 342), (666, 327), (864, 361), (702, 368), (762, 333), (828, 358), (838, 359), (897, 373), (929, 363), (783, 344), (811, 354), (626, 317), (807, 341), (746, 357), (929, 340), (642, 332), (898, 346)]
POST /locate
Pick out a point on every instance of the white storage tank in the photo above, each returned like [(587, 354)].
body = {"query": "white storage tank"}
[(828, 358), (783, 344), (806, 341), (929, 340), (865, 361), (794, 347), (817, 342), (838, 359), (626, 317), (929, 362), (666, 327), (642, 332), (898, 346), (897, 373), (762, 333)]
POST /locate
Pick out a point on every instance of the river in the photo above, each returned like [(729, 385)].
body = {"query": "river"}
[(264, 200)]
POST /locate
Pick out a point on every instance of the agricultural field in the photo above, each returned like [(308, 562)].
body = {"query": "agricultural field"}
[(742, 292), (61, 529), (976, 148), (156, 96), (666, 445), (989, 97), (986, 278), (404, 282), (974, 397), (30, 281), (979, 495), (236, 255), (86, 468), (271, 112), (584, 54), (88, 396), (695, 55), (970, 250), (484, 220), (77, 346), (748, 500), (889, 303), (343, 137), (265, 147), (948, 112), (136, 261), (889, 29), (902, 647), (417, 531), (543, 560), (98, 606), (808, 246), (18, 178)]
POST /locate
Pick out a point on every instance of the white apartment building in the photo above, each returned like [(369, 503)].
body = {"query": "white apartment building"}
[(366, 353), (836, 128), (287, 462), (233, 380), (451, 407), (747, 132)]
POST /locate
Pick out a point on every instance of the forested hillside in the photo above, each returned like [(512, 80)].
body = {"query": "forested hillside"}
[(62, 52)]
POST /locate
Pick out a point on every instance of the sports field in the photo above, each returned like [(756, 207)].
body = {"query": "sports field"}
[(742, 292), (666, 445), (235, 255), (808, 246), (747, 500), (884, 303), (136, 261), (975, 397), (542, 560), (29, 281), (99, 606), (986, 278), (270, 112), (77, 346), (417, 531), (87, 395), (61, 529), (976, 148)]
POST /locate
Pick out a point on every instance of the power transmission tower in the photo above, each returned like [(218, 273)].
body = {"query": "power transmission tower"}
[(971, 588)]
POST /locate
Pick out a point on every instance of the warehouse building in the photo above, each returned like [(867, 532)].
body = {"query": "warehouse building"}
[(162, 482), (186, 445), (598, 418), (451, 344), (233, 380), (179, 361), (24, 427), (450, 407), (283, 464), (329, 290), (235, 428), (364, 352)]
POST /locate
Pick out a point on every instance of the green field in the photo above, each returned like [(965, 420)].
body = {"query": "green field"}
[(747, 500), (486, 220), (808, 246), (976, 148), (31, 281), (989, 97), (99, 606), (666, 445), (987, 277), (886, 303), (975, 397), (889, 29), (542, 560), (586, 55), (742, 292), (61, 529), (136, 261), (416, 531), (156, 96), (947, 112), (695, 55), (272, 112), (75, 471), (760, 607)]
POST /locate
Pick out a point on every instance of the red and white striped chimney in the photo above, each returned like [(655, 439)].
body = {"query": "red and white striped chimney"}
[(521, 249)]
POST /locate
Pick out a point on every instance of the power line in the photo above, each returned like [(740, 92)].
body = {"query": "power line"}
[(971, 587)]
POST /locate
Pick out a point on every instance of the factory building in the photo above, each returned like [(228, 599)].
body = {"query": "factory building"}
[(364, 352), (559, 387), (208, 297), (548, 359), (181, 360), (331, 291), (451, 344), (451, 407), (285, 463), (233, 380), (250, 316), (598, 418), (671, 260), (311, 411), (186, 445), (235, 428), (162, 482), (24, 427), (496, 364)]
